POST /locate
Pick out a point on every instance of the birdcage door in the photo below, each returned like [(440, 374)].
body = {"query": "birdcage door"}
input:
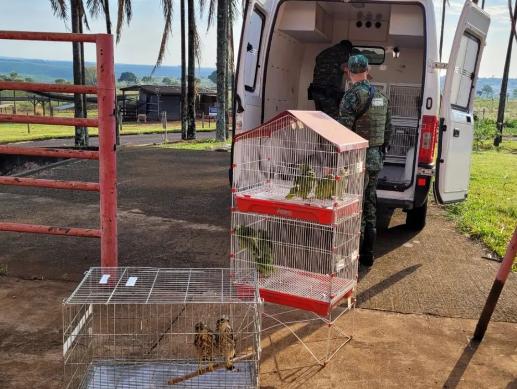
[(457, 120)]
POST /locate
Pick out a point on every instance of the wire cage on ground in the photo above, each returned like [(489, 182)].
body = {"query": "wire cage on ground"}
[(160, 328), (301, 164), (300, 264)]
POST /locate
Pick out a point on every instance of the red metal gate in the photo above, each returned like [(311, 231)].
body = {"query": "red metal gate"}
[(105, 90)]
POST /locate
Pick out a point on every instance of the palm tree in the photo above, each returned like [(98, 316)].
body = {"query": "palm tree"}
[(226, 13), (183, 74), (193, 55), (60, 9)]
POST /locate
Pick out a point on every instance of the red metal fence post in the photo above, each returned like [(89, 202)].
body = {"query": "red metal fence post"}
[(107, 150)]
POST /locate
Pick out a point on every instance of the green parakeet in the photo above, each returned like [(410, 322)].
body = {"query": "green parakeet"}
[(325, 188), (258, 243), (303, 183)]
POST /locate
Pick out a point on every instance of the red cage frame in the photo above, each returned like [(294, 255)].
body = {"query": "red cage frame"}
[(106, 155)]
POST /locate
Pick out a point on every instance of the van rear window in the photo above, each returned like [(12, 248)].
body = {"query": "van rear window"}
[(253, 47), (374, 54)]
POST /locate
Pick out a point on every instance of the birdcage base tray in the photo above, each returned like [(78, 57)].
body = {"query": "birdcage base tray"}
[(133, 375), (304, 290), (265, 201)]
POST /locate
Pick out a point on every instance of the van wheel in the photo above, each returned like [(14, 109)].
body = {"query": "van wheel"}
[(415, 218)]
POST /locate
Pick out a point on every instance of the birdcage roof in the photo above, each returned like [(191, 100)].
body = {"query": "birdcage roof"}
[(145, 285), (319, 122)]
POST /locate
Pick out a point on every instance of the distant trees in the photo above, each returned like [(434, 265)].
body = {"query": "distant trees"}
[(213, 77), (514, 93), (147, 79), (166, 81), (487, 91), (61, 81), (128, 77), (90, 75)]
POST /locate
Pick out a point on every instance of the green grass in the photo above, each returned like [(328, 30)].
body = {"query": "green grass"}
[(197, 145), (18, 132), (490, 212)]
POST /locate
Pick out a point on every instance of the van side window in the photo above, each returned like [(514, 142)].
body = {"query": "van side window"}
[(253, 47), (464, 73)]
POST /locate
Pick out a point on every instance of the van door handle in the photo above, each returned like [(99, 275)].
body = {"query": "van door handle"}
[(456, 133)]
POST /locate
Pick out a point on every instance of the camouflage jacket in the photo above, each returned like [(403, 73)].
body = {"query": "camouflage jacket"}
[(375, 124), (327, 71)]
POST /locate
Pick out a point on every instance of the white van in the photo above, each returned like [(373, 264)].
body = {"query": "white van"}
[(281, 39)]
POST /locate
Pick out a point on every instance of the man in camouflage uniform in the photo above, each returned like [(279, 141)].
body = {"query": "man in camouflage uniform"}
[(326, 87), (365, 110)]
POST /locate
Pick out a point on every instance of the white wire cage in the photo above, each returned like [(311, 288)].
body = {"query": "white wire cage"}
[(160, 328), (301, 264), (301, 164), (405, 105)]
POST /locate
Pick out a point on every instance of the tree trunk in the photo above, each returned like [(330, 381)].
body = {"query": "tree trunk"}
[(504, 86), (106, 7), (81, 135), (222, 54), (230, 75), (191, 93), (183, 106)]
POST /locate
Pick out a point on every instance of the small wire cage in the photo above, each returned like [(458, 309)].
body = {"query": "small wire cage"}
[(140, 328), (300, 264), (301, 164), (405, 104), (405, 100), (403, 139)]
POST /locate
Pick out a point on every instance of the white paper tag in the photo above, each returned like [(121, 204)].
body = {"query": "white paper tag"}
[(378, 102), (104, 279), (131, 281), (340, 265)]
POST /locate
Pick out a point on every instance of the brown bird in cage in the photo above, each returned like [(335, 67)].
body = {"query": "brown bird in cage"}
[(204, 341), (225, 341)]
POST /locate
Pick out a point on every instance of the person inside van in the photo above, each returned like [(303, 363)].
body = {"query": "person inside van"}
[(326, 87), (365, 110)]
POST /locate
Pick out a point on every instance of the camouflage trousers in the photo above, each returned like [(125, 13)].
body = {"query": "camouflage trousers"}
[(326, 104), (374, 162)]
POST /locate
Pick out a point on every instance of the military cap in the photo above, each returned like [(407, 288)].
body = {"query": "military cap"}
[(358, 63)]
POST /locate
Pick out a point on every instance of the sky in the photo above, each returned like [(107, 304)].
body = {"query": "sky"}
[(141, 39)]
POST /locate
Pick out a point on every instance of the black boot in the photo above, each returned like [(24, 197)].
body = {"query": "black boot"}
[(366, 253)]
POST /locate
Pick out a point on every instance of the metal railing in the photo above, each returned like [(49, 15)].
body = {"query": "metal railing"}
[(106, 155)]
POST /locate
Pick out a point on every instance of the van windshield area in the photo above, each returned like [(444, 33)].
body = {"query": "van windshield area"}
[(392, 36)]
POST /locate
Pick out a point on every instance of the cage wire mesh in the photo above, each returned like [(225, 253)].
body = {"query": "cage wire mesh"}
[(137, 328), (307, 260), (297, 207), (285, 160), (405, 103)]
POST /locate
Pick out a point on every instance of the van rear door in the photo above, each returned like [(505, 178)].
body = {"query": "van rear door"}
[(456, 109), (249, 72)]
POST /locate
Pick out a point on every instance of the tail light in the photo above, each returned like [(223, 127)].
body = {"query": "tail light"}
[(427, 139)]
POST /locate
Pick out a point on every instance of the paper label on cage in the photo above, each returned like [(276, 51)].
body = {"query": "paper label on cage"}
[(131, 281), (340, 265), (104, 279), (359, 167), (378, 102)]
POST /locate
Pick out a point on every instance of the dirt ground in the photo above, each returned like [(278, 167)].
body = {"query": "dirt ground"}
[(417, 303)]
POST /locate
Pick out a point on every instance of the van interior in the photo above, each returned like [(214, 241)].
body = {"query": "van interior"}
[(393, 31)]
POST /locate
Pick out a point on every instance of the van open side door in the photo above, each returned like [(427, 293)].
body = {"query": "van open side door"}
[(456, 132)]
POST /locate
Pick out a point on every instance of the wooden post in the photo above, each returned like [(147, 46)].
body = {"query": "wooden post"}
[(28, 125), (51, 110), (14, 105), (34, 104), (497, 287)]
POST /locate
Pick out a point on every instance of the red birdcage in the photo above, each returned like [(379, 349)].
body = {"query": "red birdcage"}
[(297, 199)]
